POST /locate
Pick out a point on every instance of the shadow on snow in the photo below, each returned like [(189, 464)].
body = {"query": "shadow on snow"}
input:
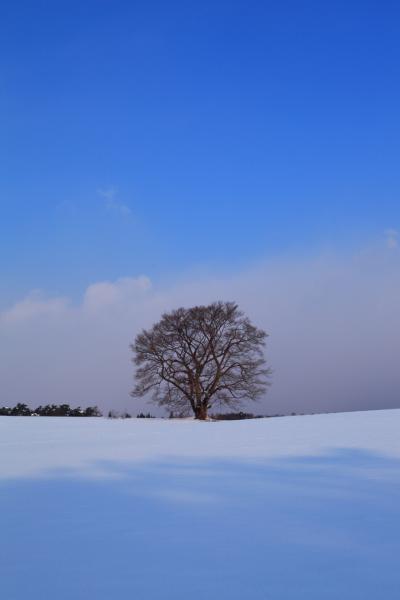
[(305, 528)]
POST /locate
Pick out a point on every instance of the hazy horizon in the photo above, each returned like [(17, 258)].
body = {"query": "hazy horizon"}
[(333, 345)]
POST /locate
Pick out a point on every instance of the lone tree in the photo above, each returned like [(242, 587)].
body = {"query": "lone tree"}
[(196, 358)]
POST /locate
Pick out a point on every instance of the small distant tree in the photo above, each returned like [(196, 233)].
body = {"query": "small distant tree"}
[(195, 358), (92, 411), (20, 410)]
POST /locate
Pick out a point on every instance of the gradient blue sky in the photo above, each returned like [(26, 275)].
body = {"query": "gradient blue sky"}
[(152, 137)]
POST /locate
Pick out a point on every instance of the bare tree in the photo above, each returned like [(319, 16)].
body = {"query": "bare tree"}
[(196, 358)]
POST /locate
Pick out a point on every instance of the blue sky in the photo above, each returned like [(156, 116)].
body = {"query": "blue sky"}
[(155, 137)]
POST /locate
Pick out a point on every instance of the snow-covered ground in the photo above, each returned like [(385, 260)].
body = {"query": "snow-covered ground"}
[(285, 508)]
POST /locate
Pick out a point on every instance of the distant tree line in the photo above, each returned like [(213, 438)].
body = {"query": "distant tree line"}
[(234, 416), (65, 410), (49, 410), (113, 414)]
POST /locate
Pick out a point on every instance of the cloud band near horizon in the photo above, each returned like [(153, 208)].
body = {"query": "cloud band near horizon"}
[(333, 323)]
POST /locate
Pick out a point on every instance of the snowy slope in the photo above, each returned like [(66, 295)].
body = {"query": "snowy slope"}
[(37, 444), (296, 507)]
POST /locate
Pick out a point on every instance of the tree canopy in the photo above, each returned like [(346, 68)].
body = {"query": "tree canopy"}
[(199, 357)]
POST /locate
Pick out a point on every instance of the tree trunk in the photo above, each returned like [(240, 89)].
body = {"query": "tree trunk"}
[(201, 412)]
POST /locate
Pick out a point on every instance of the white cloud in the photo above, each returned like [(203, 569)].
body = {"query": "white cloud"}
[(110, 196), (36, 304), (98, 297), (107, 294)]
